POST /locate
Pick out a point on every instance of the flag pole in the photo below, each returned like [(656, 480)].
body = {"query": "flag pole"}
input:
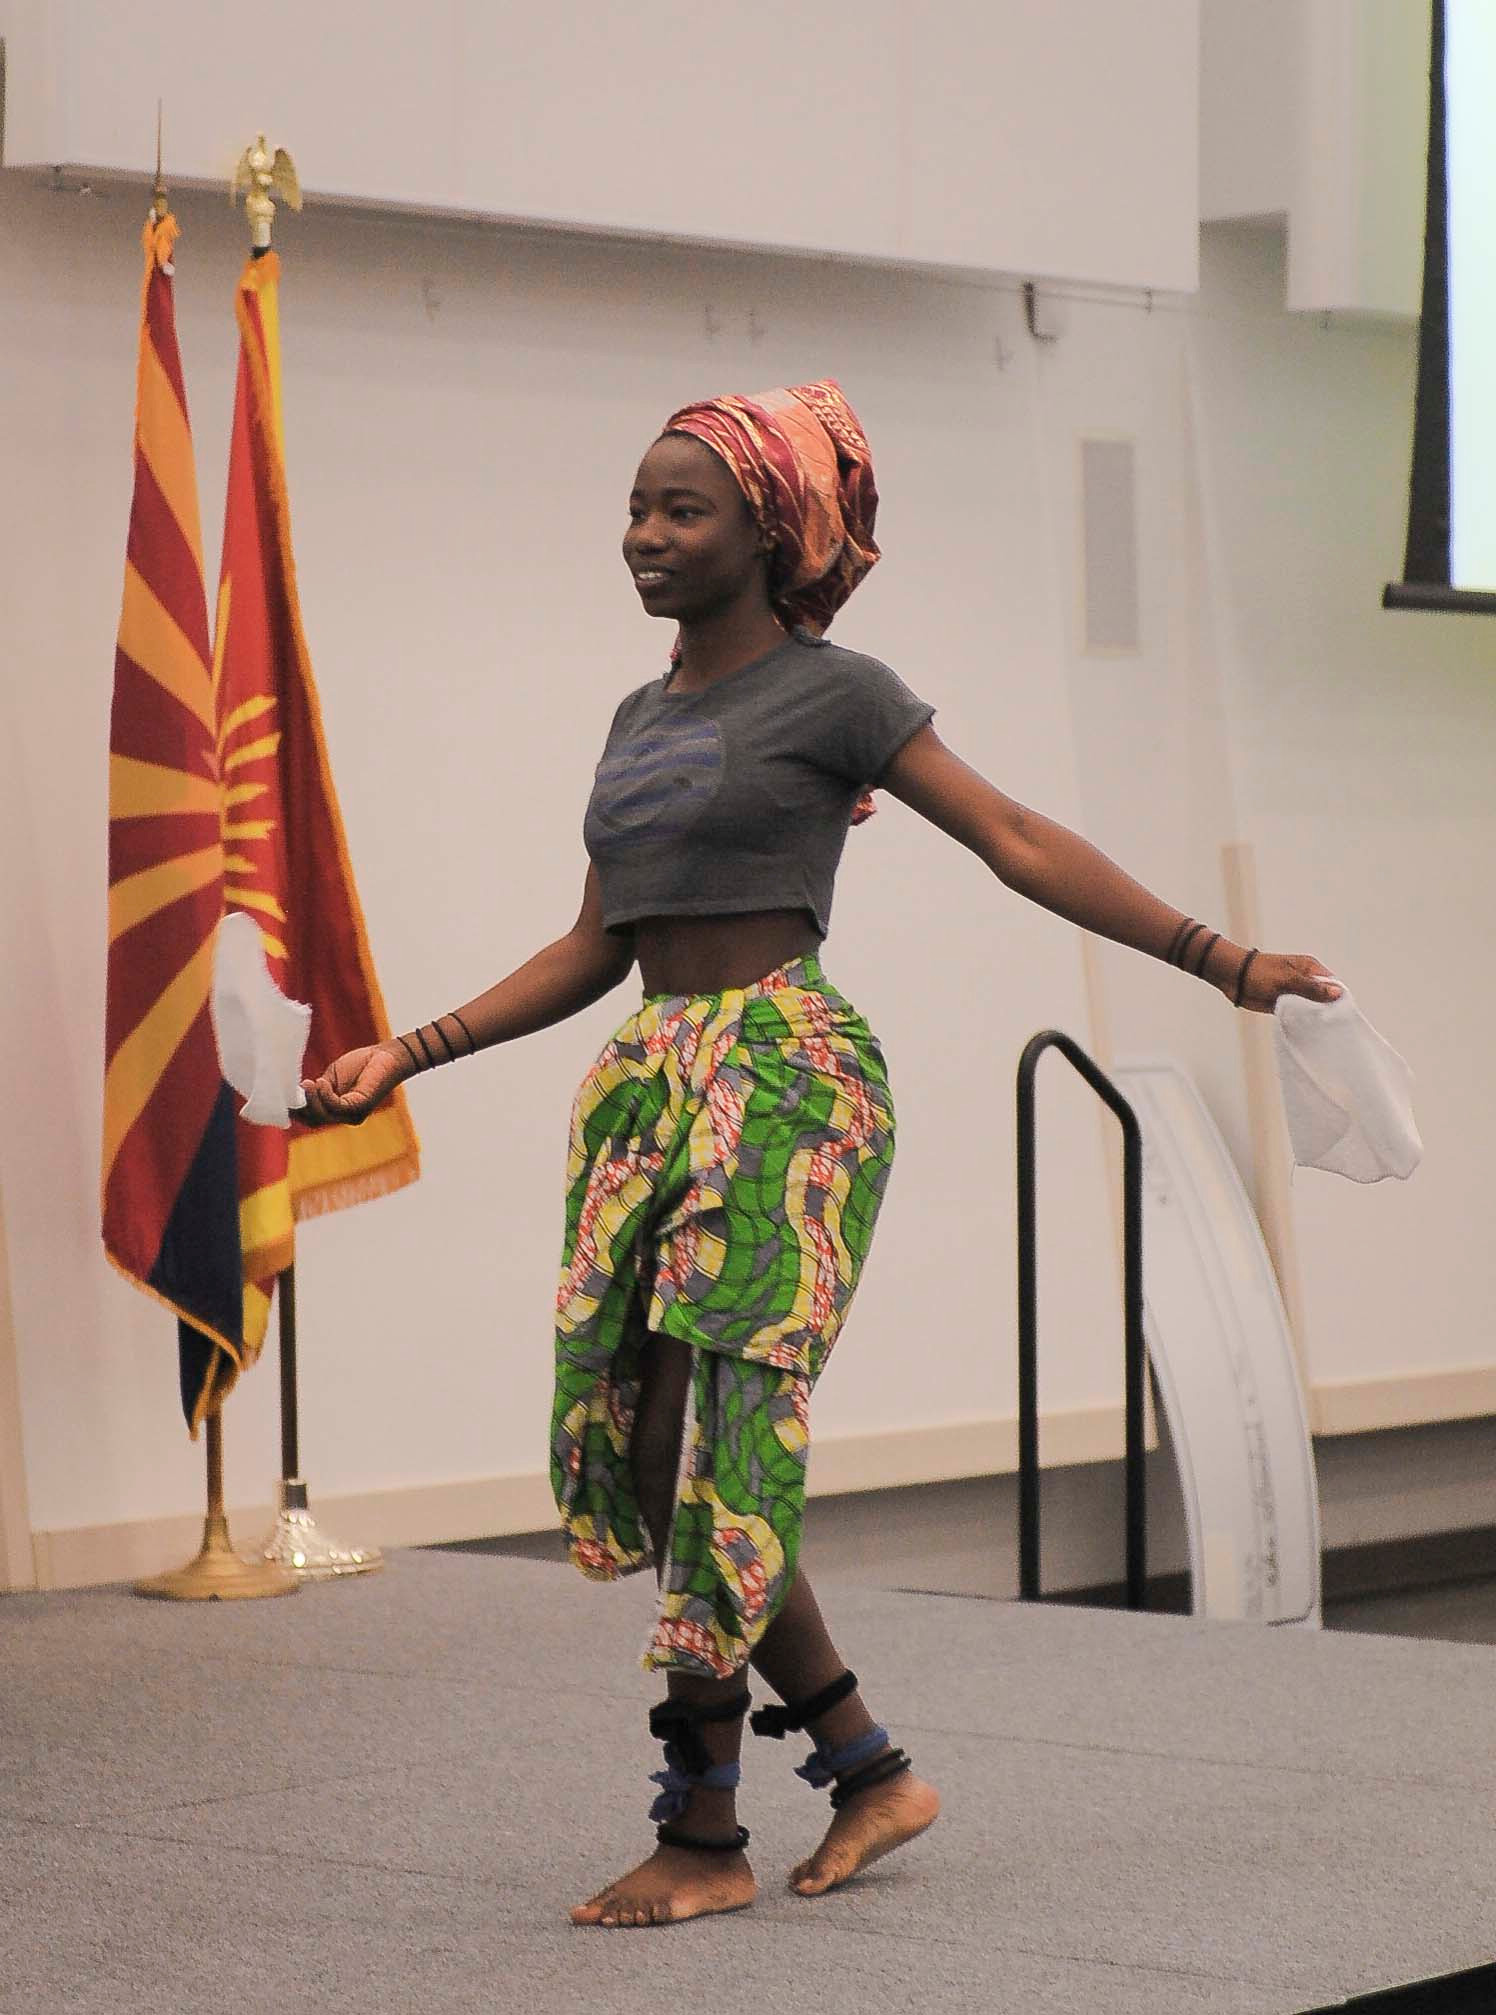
[(296, 1543), (218, 1574)]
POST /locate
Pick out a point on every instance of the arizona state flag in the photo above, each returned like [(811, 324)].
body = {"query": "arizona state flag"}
[(170, 1193), (286, 858)]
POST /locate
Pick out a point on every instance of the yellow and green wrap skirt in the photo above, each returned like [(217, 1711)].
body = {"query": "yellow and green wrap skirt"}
[(728, 1156)]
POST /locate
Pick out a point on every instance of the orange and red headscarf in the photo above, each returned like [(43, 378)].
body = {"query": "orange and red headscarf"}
[(801, 459)]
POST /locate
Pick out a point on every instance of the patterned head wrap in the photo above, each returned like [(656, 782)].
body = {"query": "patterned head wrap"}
[(801, 459)]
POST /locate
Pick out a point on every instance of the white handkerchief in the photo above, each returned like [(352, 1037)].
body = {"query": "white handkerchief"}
[(261, 1035), (1347, 1094)]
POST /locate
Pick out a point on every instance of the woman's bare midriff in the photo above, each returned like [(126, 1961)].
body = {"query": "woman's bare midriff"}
[(704, 955)]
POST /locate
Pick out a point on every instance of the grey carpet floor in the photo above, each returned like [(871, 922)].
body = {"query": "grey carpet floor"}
[(382, 1796)]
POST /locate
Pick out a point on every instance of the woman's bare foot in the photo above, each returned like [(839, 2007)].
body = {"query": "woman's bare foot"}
[(673, 1884), (871, 1825)]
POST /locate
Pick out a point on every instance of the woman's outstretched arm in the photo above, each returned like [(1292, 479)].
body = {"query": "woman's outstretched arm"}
[(560, 980), (1055, 867)]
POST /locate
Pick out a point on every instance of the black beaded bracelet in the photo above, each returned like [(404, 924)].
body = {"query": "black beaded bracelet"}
[(1241, 978), (1210, 944), (1178, 939), (433, 1061), (1182, 951)]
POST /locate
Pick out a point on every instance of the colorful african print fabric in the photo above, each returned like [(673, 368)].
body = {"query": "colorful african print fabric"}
[(728, 1156)]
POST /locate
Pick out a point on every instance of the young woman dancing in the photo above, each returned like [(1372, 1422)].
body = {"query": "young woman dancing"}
[(730, 1146)]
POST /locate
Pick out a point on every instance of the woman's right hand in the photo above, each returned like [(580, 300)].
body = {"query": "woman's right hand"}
[(354, 1084)]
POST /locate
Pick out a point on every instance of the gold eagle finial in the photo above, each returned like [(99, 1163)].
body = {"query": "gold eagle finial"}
[(257, 175)]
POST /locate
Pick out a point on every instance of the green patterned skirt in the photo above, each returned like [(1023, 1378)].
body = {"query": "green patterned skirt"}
[(728, 1156)]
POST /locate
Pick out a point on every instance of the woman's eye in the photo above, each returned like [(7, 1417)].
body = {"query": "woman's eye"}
[(685, 511)]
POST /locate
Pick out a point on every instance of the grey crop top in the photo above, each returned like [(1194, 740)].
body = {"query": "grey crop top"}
[(739, 796)]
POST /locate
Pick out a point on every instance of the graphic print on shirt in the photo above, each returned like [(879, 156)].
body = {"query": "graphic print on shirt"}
[(656, 785)]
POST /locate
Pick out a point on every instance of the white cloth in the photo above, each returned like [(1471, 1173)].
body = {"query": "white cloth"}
[(261, 1035), (1347, 1094)]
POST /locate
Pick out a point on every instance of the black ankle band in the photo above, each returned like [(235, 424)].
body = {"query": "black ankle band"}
[(779, 1721), (678, 1722), (671, 1836), (892, 1763)]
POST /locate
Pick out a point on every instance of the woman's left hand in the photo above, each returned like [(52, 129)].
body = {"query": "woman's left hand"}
[(1273, 974)]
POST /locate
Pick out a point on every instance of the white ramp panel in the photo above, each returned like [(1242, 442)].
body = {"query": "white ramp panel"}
[(1223, 1360)]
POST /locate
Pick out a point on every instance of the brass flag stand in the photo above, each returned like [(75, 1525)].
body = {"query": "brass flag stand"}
[(297, 1545), (218, 1574)]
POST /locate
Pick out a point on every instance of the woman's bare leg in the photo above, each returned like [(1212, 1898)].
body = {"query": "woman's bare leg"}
[(798, 1659), (676, 1882)]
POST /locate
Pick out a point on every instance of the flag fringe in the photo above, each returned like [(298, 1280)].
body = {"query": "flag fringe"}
[(362, 1187)]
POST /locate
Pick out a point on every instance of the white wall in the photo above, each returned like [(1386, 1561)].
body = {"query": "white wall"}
[(1356, 211), (1158, 789), (1362, 743), (1317, 111), (1392, 75), (1274, 702), (992, 134), (464, 408), (1249, 107)]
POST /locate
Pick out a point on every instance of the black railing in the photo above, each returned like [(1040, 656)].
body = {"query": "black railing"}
[(1028, 1316)]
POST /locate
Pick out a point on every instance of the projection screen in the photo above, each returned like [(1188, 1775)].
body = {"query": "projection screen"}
[(1450, 561)]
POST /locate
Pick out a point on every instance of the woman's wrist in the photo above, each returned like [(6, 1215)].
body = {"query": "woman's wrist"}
[(398, 1050), (1210, 955), (1220, 964), (433, 1043)]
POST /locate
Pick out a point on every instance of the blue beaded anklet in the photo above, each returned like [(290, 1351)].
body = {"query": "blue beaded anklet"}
[(856, 1766), (689, 1767)]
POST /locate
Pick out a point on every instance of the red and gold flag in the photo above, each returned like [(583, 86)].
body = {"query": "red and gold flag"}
[(286, 856), (170, 1214)]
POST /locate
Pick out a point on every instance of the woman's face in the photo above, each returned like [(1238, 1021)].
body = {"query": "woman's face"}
[(691, 544)]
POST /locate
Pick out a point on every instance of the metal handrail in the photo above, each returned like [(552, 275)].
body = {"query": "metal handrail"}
[(1028, 1316)]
